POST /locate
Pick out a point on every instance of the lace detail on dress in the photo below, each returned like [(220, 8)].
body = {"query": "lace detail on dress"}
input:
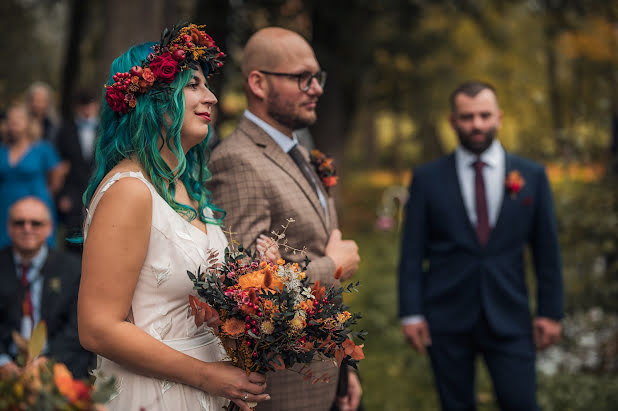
[(117, 388), (160, 328), (166, 385), (204, 402), (161, 273)]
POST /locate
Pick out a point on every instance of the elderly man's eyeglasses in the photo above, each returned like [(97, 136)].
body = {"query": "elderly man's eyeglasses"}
[(22, 223), (304, 79)]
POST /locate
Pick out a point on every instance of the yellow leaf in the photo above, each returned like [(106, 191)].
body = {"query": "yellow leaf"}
[(37, 340)]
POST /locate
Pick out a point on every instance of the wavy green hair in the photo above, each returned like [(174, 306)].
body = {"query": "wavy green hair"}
[(157, 118)]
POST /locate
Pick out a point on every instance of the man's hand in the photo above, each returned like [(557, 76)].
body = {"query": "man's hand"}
[(417, 335), (344, 253), (546, 332), (351, 401)]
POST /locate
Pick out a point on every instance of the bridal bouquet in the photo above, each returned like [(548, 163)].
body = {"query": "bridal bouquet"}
[(270, 317), (43, 384)]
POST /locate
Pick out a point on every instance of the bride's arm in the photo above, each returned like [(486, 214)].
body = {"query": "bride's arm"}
[(114, 252)]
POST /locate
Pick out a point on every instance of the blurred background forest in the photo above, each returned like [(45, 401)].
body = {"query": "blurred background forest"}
[(391, 66)]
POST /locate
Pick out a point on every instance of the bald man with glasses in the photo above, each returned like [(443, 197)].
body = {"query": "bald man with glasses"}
[(262, 177), (38, 284)]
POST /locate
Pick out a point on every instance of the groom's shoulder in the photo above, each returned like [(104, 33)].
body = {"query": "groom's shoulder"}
[(434, 167), (236, 144)]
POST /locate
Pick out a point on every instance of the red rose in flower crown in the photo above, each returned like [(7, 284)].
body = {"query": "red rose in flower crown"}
[(115, 100), (514, 183), (185, 47), (164, 67), (324, 167)]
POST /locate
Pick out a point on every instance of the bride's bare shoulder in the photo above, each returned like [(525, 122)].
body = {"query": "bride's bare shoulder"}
[(126, 188)]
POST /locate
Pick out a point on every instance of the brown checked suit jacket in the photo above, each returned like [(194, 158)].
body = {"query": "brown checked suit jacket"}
[(260, 187)]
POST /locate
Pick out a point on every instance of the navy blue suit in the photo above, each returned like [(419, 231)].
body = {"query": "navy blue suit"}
[(474, 297)]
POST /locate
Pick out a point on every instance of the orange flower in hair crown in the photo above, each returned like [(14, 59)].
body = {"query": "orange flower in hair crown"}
[(184, 47)]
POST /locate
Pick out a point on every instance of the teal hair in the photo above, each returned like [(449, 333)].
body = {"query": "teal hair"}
[(157, 117)]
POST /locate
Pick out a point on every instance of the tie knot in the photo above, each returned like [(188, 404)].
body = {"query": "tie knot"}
[(478, 165)]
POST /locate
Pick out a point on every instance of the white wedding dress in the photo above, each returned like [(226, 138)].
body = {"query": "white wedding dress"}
[(160, 307)]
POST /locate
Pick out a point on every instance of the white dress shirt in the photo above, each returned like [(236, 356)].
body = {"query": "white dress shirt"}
[(493, 176)]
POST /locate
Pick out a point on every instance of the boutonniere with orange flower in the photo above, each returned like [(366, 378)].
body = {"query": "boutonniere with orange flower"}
[(514, 183), (325, 168), (269, 316)]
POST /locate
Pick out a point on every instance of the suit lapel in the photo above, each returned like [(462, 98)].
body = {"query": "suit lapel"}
[(506, 206), (454, 187), (8, 281), (274, 153)]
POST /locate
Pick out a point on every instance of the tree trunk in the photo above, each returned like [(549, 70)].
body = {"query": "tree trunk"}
[(71, 71)]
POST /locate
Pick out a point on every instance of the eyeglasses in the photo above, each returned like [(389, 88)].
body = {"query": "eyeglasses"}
[(304, 79), (33, 223)]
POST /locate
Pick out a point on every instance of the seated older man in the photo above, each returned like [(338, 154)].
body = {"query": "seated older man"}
[(38, 284)]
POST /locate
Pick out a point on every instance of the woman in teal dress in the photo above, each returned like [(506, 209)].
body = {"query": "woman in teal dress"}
[(27, 168)]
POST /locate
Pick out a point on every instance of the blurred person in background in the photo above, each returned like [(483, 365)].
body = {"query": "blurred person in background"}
[(75, 142), (27, 168), (462, 282), (39, 284), (39, 99)]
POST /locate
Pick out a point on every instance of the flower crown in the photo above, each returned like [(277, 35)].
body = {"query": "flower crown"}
[(186, 46)]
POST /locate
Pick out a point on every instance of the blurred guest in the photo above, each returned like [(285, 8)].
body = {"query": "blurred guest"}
[(462, 285), (27, 167), (76, 142), (40, 104), (38, 284)]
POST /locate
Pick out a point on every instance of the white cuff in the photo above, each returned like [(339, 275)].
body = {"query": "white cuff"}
[(411, 319)]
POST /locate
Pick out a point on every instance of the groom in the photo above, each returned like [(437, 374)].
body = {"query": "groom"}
[(462, 288), (262, 177)]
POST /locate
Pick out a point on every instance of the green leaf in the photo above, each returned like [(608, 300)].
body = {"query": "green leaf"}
[(191, 276)]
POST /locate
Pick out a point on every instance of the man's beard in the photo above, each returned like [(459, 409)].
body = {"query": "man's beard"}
[(283, 113), (474, 147)]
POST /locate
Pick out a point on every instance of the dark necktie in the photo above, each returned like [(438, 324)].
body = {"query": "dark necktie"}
[(27, 309), (304, 167), (482, 219)]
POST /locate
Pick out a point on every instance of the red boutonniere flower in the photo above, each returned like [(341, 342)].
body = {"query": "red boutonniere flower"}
[(514, 183), (325, 168)]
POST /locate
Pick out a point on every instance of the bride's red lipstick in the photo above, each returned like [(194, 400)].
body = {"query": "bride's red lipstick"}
[(204, 115)]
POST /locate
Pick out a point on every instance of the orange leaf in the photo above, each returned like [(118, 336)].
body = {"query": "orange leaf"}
[(353, 350), (338, 273), (358, 353), (317, 291), (277, 363), (325, 342), (203, 313)]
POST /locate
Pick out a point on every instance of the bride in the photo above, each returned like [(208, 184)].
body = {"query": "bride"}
[(149, 221)]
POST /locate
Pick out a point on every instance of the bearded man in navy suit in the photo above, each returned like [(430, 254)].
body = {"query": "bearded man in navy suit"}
[(462, 288)]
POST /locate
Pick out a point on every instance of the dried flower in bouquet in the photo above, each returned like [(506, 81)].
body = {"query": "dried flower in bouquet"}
[(269, 316)]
